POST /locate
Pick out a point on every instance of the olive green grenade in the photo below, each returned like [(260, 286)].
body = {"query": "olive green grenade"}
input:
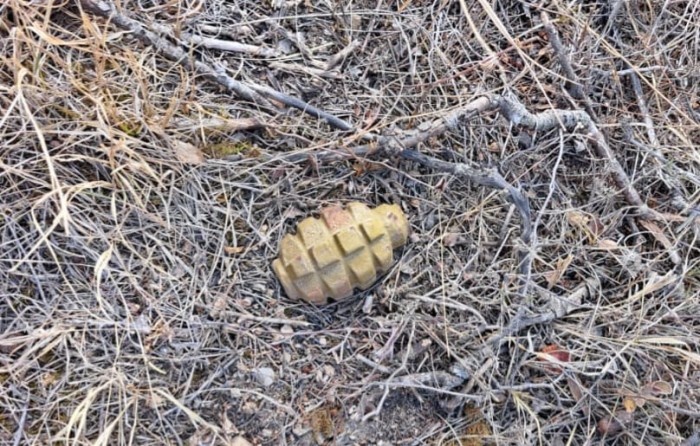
[(344, 249)]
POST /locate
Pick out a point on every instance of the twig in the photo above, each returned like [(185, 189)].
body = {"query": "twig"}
[(253, 92), (439, 379), (287, 409), (560, 307), (340, 56), (227, 124), (672, 180), (303, 106), (515, 112), (20, 432), (318, 72), (619, 174), (107, 10), (394, 144), (452, 403), (644, 110), (552, 188), (572, 85), (613, 15), (215, 44), (600, 144), (483, 177), (368, 362), (628, 71), (267, 320)]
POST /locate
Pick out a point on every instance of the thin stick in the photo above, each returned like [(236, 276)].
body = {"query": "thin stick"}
[(253, 92), (572, 84), (216, 44), (303, 106), (483, 177), (560, 307), (619, 175), (672, 180), (340, 56), (318, 72), (107, 10)]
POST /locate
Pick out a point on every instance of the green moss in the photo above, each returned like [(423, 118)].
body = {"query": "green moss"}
[(131, 128), (229, 148)]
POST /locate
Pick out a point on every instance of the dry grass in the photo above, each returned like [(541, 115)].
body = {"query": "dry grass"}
[(138, 304)]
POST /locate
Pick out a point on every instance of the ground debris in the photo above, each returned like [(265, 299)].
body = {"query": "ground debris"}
[(154, 154)]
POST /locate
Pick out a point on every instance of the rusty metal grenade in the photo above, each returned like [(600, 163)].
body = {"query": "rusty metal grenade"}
[(343, 250)]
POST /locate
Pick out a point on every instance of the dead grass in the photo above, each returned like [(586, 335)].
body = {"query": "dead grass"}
[(138, 304)]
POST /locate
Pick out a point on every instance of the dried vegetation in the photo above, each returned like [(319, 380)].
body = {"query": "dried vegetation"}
[(143, 198)]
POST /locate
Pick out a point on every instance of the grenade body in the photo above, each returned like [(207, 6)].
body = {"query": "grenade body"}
[(343, 250)]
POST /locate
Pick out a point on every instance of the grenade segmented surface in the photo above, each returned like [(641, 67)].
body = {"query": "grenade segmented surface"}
[(344, 249)]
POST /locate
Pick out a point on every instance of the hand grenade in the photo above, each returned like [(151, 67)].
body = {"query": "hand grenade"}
[(344, 249)]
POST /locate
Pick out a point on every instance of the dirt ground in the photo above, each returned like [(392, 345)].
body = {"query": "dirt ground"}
[(147, 176)]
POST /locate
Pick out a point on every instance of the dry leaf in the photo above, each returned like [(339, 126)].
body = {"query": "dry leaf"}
[(187, 153), (629, 404), (657, 388), (233, 249), (613, 425), (607, 244), (452, 239), (595, 226), (577, 219), (661, 238), (591, 226), (494, 147), (100, 266), (371, 117), (654, 284), (554, 276), (575, 389), (553, 351)]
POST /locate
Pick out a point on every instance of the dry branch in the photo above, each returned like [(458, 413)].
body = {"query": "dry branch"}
[(253, 92), (599, 142), (171, 51), (483, 177), (215, 44), (671, 180), (560, 307), (516, 113), (311, 71), (572, 84), (512, 109)]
